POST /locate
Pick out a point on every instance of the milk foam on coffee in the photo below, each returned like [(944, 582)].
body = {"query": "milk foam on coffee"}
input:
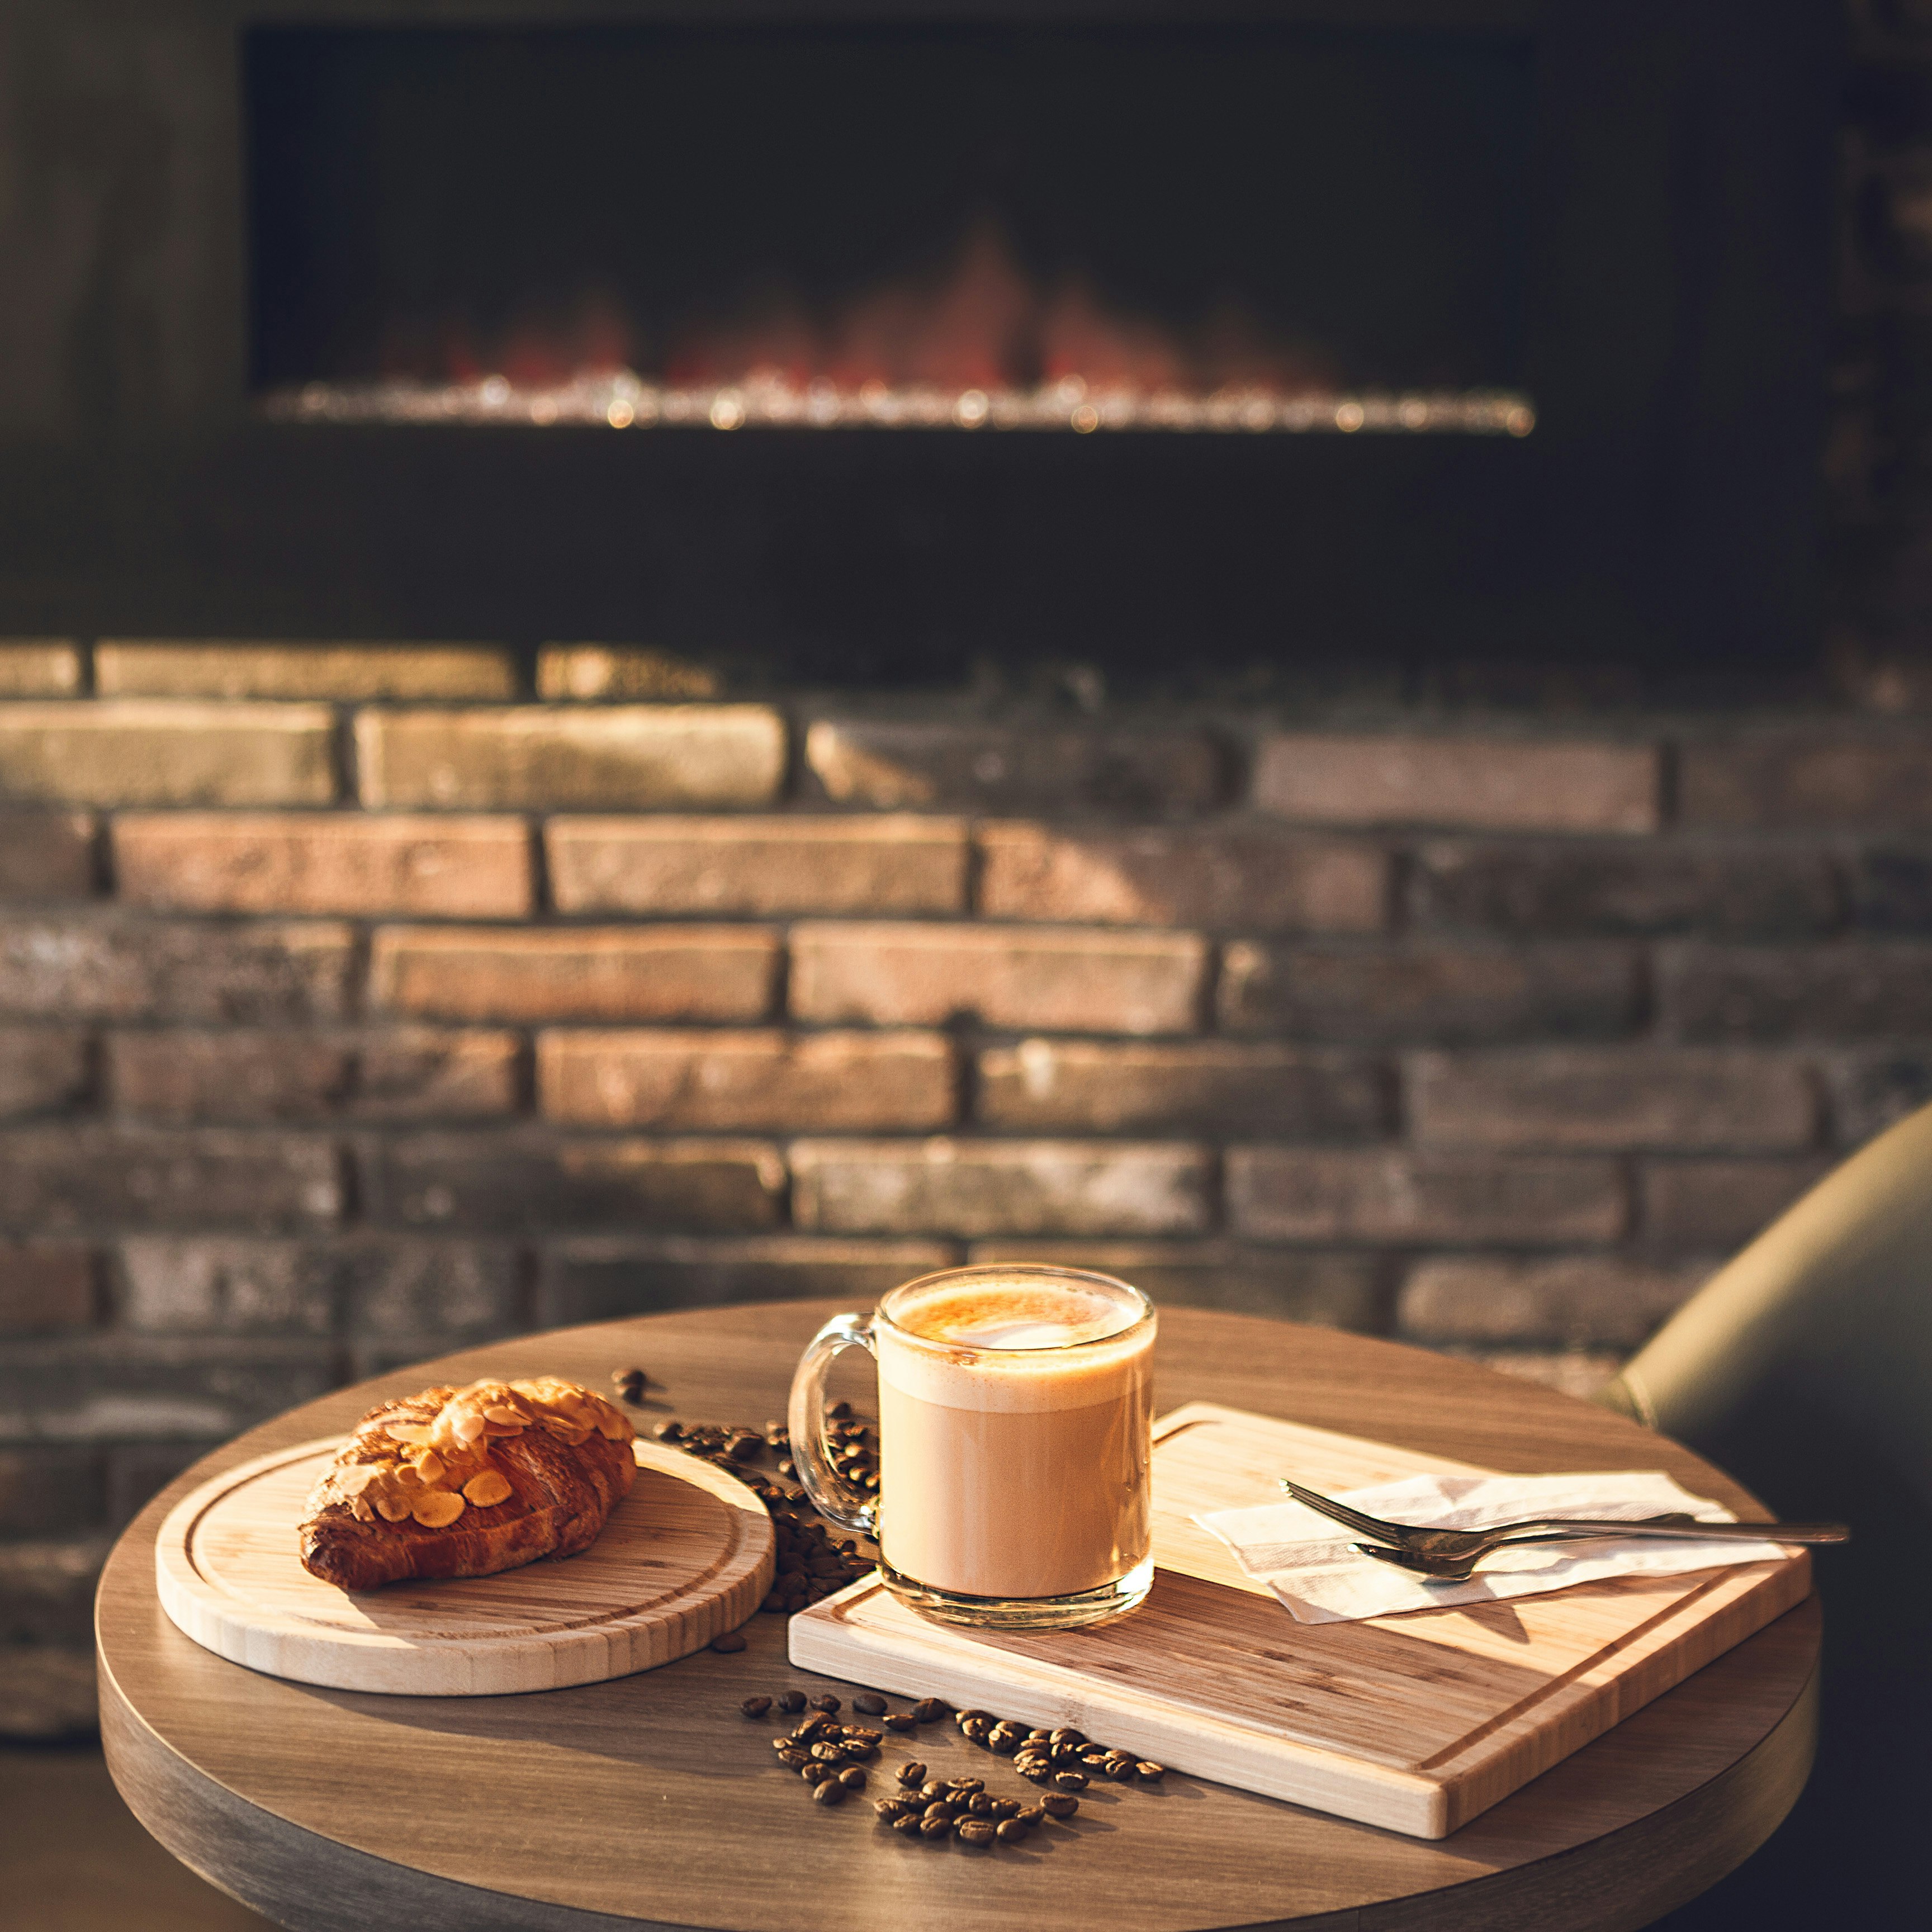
[(1014, 1430)]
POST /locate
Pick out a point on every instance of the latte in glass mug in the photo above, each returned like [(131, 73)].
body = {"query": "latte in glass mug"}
[(1016, 1415)]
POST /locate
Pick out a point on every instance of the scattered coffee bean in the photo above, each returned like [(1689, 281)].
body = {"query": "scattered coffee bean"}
[(928, 1710), (1006, 1807), (828, 1704), (796, 1758), (829, 1753), (1066, 1735), (1120, 1769), (1151, 1774), (871, 1703), (1010, 1831), (729, 1641), (830, 1792), (934, 1828), (943, 1811), (1069, 1781), (1061, 1805), (899, 1721), (755, 1707), (814, 1773), (1003, 1744), (976, 1830), (966, 1787), (853, 1778), (808, 1728), (963, 1718), (980, 1805), (909, 1825), (932, 1791), (891, 1809), (791, 1700), (1032, 1814), (912, 1772)]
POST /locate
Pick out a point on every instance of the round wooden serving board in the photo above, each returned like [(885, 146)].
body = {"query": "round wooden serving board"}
[(688, 1554)]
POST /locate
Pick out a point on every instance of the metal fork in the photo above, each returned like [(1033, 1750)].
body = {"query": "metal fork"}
[(1453, 1546)]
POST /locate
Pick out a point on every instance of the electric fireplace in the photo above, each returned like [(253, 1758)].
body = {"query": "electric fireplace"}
[(860, 340)]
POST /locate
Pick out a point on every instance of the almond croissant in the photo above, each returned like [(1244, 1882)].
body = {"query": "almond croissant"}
[(466, 1482)]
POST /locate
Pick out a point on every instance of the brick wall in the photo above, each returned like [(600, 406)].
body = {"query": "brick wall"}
[(354, 1006)]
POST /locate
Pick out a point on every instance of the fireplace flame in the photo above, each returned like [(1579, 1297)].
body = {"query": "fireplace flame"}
[(976, 343)]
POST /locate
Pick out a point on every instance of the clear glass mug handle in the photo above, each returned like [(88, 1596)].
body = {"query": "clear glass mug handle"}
[(844, 1503)]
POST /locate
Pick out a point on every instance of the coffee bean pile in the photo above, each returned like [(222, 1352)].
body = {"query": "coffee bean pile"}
[(853, 1447), (834, 1760), (812, 1561), (1065, 1760)]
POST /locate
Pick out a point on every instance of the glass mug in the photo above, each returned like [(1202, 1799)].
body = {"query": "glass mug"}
[(1015, 1444)]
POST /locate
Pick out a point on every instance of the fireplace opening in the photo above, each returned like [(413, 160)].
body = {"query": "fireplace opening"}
[(1242, 227)]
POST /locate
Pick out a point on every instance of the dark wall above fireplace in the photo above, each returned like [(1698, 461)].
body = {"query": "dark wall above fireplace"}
[(1669, 320)]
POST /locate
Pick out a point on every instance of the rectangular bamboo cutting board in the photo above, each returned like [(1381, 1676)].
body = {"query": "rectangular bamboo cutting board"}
[(1415, 1722)]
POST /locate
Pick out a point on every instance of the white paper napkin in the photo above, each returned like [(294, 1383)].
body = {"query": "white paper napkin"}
[(1307, 1560)]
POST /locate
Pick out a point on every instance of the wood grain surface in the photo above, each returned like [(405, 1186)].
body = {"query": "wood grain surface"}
[(687, 1554), (1417, 1722), (650, 1800)]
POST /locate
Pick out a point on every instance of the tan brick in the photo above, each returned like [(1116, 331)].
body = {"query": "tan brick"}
[(1428, 992), (1869, 1090), (716, 973), (1710, 1207), (893, 764), (404, 1073), (1052, 977), (46, 855), (44, 1488), (589, 671), (139, 751), (1504, 784), (227, 1284), (110, 967), (764, 1079), (598, 1278), (45, 1286), (1242, 877), (1389, 1194), (1852, 992), (1577, 1301), (57, 1179), (39, 667), (202, 1389), (999, 1187), (1579, 886), (176, 668), (1216, 1087), (1611, 1097), (535, 1183), (1830, 781), (539, 757), (767, 867), (1330, 1291), (323, 862), (41, 1069)]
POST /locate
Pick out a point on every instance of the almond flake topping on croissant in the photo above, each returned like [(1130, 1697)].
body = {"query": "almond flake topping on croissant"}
[(466, 1482)]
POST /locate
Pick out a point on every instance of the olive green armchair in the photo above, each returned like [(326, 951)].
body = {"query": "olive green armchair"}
[(1804, 1367)]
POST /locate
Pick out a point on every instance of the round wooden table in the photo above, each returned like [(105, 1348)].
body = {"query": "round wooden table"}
[(650, 1800)]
